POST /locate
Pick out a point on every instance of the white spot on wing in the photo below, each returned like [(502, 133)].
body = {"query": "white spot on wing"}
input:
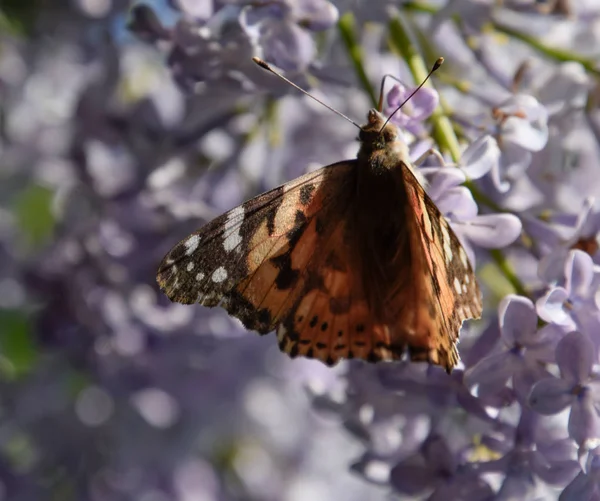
[(467, 279), (190, 266), (463, 258), (191, 244), (233, 238), (199, 276), (219, 275), (281, 332), (446, 239), (457, 285)]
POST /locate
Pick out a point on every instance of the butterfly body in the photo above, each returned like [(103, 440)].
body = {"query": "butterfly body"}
[(351, 261)]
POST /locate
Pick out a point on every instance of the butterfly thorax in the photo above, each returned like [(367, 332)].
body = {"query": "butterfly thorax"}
[(381, 146)]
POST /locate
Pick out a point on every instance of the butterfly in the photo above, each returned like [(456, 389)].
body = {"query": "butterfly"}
[(350, 261)]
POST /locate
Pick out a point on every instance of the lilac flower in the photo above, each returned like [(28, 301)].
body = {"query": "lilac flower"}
[(282, 29), (524, 349), (586, 485), (574, 306), (414, 111), (568, 231), (533, 459), (457, 204), (437, 468), (577, 388), (522, 130)]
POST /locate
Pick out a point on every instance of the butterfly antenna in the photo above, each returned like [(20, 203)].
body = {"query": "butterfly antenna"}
[(435, 67), (265, 66)]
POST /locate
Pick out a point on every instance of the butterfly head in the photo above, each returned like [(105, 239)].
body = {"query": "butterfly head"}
[(381, 141)]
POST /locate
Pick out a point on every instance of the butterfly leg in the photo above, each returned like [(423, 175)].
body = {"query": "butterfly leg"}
[(427, 154)]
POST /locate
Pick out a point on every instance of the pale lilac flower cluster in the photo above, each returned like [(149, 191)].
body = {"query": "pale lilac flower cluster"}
[(123, 129)]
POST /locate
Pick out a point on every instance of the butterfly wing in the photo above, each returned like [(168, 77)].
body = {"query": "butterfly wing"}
[(331, 318), (391, 277), (307, 259), (448, 281), (250, 259)]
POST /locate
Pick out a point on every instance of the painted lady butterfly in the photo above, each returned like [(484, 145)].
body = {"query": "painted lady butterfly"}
[(351, 261)]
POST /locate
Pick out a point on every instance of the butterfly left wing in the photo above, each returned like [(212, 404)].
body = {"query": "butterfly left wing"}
[(247, 260)]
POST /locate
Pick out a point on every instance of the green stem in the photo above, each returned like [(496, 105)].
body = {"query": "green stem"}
[(547, 50), (552, 52), (508, 272), (347, 30), (443, 132)]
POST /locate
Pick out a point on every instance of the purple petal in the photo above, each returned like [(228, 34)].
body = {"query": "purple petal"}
[(515, 486), (494, 370), (565, 88), (524, 379), (480, 157), (531, 132), (315, 15), (411, 479), (195, 9), (575, 357), (457, 203), (518, 319), (582, 488), (492, 231), (482, 345), (423, 103), (550, 396), (396, 96), (557, 450), (551, 307), (557, 473), (594, 389), (466, 487), (438, 455), (584, 423), (579, 273), (418, 108), (544, 347), (288, 46), (442, 179), (592, 464)]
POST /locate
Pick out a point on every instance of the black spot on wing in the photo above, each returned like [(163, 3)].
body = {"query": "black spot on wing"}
[(306, 193)]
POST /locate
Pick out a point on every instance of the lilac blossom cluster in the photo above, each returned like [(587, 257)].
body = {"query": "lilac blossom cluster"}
[(123, 129)]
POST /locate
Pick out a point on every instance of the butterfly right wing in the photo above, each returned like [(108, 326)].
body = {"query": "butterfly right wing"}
[(447, 277)]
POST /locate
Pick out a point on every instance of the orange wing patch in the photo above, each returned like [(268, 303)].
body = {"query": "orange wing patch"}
[(330, 319)]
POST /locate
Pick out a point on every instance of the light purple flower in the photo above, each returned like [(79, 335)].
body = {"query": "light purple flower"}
[(456, 202), (414, 112), (574, 306), (586, 485), (523, 349), (565, 232), (439, 469), (282, 29), (576, 388), (521, 130), (534, 456)]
